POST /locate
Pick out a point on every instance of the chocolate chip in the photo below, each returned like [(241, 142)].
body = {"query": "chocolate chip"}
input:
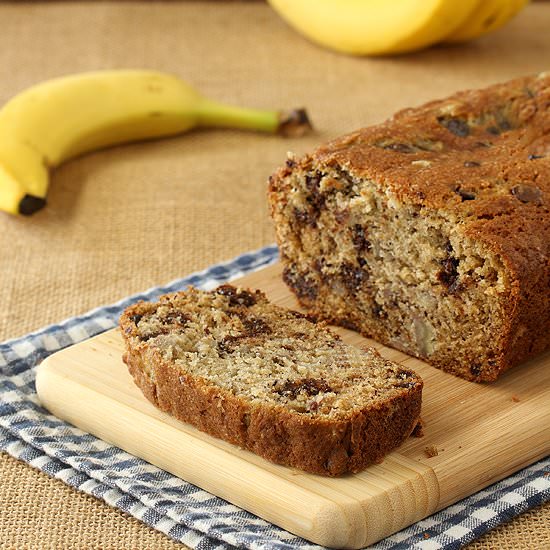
[(362, 261), (475, 369), (534, 157), (379, 311), (457, 126), (175, 318), (315, 197), (493, 130), (404, 374), (236, 297), (298, 315), (306, 217), (313, 181), (136, 318), (527, 194), (471, 163), (359, 237), (309, 386), (448, 274), (407, 379), (291, 163), (399, 147), (252, 326), (405, 384), (227, 345), (353, 277), (149, 335), (464, 195), (304, 288), (346, 323), (255, 326)]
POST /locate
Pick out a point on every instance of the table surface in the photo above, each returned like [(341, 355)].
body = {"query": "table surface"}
[(126, 219)]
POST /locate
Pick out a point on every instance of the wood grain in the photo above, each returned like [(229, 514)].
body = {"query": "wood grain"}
[(476, 433)]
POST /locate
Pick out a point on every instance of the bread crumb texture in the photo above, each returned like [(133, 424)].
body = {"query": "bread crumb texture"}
[(430, 232), (230, 362)]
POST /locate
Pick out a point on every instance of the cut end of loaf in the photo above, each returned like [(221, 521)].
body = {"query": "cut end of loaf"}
[(269, 379), (393, 271)]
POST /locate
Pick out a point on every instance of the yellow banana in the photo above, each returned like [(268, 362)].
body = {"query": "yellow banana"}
[(488, 16), (59, 119), (374, 27)]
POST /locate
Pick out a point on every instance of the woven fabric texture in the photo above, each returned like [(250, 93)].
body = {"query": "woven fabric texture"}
[(134, 217), (106, 527)]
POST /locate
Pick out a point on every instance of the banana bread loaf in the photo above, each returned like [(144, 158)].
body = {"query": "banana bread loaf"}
[(430, 232), (269, 380)]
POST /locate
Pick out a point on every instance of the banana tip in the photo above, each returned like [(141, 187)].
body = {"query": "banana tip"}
[(29, 204), (294, 123)]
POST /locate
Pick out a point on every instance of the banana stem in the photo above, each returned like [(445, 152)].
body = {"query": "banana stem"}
[(292, 123)]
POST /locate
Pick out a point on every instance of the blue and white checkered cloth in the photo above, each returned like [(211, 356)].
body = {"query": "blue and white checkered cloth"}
[(183, 511)]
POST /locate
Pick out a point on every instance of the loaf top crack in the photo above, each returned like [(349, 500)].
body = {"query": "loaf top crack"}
[(230, 362)]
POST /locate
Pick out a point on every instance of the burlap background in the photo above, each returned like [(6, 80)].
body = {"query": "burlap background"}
[(123, 220)]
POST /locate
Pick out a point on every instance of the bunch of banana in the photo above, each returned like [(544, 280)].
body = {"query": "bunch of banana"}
[(62, 118), (377, 27)]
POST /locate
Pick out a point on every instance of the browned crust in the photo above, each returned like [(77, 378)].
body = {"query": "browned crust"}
[(516, 154), (329, 448)]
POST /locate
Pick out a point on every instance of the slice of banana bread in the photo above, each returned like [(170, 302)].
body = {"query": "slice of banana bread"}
[(430, 232), (269, 380)]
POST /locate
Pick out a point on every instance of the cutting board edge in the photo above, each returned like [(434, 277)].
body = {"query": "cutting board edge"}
[(349, 523), (445, 468)]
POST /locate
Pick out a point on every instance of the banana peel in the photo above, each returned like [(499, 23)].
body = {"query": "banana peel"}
[(59, 119), (379, 27)]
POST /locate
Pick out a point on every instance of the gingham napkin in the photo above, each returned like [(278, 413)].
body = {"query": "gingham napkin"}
[(183, 511)]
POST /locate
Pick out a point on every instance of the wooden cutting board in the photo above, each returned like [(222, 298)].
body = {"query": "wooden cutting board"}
[(475, 434)]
